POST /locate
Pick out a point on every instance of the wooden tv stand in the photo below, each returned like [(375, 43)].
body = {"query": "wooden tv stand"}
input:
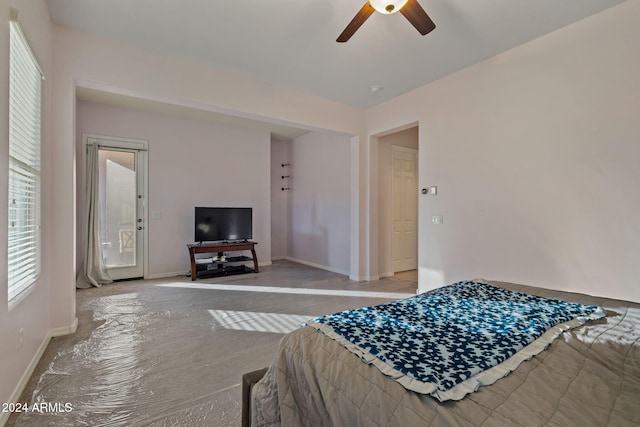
[(218, 267)]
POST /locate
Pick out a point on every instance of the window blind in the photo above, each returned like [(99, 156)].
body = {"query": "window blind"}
[(25, 82)]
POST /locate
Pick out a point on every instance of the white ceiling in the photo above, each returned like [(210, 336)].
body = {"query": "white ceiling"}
[(291, 43)]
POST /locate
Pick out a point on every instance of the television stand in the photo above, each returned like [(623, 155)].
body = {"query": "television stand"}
[(218, 267)]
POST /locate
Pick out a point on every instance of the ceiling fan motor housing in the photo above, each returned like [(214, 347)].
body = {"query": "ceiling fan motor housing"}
[(387, 6), (411, 10)]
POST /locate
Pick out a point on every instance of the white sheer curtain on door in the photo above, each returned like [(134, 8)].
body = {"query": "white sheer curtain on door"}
[(93, 271)]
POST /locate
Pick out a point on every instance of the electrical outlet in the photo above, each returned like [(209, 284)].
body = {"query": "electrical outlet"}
[(20, 339), (437, 219)]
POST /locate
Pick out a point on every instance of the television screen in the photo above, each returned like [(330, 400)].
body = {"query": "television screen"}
[(219, 224)]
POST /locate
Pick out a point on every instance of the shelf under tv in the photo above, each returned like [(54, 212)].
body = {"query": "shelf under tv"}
[(224, 271), (217, 267)]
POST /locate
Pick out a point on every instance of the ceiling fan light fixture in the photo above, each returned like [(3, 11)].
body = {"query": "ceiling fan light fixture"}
[(411, 10), (387, 6)]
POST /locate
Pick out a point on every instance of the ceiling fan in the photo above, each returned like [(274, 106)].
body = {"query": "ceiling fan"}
[(411, 10)]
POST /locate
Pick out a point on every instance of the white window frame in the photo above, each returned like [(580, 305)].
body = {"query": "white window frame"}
[(25, 136)]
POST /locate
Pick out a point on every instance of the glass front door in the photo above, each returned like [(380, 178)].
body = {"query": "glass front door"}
[(122, 198)]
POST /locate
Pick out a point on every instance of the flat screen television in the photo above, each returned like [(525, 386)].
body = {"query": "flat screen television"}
[(223, 224)]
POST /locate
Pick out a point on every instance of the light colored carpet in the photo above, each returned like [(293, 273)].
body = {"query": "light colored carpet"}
[(172, 351)]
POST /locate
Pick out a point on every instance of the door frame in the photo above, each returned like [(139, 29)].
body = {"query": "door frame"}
[(415, 152), (141, 146)]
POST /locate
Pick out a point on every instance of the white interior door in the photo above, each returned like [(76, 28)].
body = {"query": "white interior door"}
[(122, 190), (405, 209)]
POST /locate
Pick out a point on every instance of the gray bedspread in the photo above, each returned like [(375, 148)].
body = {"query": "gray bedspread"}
[(589, 376)]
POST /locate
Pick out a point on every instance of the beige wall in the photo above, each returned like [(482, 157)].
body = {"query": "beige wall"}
[(191, 163), (535, 153), (32, 313), (319, 201), (280, 154), (89, 61)]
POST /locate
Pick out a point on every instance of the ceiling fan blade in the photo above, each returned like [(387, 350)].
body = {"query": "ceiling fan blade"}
[(418, 17), (362, 15)]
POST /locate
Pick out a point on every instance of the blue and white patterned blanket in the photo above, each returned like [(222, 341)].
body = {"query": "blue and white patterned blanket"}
[(449, 341)]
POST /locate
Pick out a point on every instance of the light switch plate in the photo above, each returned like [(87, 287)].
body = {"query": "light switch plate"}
[(436, 219)]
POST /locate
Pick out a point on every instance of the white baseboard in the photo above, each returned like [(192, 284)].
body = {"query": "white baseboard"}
[(65, 330), (313, 264), (15, 396), (56, 332), (188, 273), (165, 275), (364, 278)]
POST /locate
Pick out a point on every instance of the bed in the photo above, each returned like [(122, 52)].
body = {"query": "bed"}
[(586, 372)]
